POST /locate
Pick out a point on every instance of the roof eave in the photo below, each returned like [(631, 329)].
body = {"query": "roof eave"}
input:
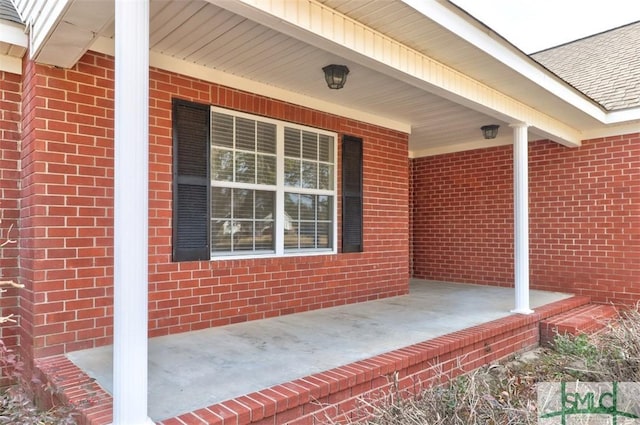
[(474, 32), (331, 30), (16, 41)]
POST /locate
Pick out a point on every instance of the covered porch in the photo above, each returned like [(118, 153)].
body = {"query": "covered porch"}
[(421, 90), (316, 363)]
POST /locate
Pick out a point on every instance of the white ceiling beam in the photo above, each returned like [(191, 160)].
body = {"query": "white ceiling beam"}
[(325, 28), (465, 146)]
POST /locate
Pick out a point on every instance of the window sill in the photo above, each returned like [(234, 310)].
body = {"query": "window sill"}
[(270, 255)]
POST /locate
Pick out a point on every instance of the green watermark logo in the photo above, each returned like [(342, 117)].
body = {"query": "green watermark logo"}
[(589, 403)]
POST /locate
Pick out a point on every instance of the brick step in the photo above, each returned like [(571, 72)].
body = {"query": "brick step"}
[(585, 319)]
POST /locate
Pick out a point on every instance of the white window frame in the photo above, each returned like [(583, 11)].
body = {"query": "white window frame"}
[(280, 190)]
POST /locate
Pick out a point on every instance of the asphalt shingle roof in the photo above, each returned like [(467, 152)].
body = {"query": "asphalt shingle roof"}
[(605, 67), (8, 12)]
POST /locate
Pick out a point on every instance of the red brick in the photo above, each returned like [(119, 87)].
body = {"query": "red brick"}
[(580, 203)]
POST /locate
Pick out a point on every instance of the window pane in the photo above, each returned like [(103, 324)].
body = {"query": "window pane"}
[(307, 235), (309, 145), (220, 203), (264, 235), (324, 235), (242, 203), (222, 130), (266, 169), (245, 134), (221, 165), (307, 207), (292, 172), (222, 225), (245, 167), (243, 239), (309, 175), (325, 176), (221, 236), (266, 138), (325, 148), (291, 237), (291, 142), (264, 205), (313, 226), (325, 207), (292, 205), (242, 220), (289, 224)]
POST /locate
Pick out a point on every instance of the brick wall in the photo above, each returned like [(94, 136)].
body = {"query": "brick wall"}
[(462, 217), (584, 211), (10, 97), (69, 212)]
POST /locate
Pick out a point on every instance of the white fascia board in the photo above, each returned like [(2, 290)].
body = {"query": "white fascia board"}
[(167, 63), (13, 33), (623, 115), (327, 29), (610, 131), (442, 13)]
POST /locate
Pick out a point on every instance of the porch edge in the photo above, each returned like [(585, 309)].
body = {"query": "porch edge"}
[(333, 393)]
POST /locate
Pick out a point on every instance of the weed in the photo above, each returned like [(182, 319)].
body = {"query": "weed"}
[(505, 393), (16, 400), (619, 349), (578, 346)]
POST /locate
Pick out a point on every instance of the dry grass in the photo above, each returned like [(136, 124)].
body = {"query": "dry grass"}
[(505, 393)]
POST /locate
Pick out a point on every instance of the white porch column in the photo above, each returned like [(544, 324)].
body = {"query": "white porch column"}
[(131, 165), (521, 217)]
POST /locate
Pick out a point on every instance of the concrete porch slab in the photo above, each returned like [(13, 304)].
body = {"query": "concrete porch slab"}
[(201, 368)]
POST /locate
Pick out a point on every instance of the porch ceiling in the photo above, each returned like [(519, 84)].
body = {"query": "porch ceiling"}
[(205, 34), (211, 36)]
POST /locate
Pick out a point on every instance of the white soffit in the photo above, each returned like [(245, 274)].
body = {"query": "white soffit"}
[(325, 28), (66, 28), (168, 63)]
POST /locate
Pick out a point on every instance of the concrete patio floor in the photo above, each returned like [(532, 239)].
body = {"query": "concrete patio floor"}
[(195, 369)]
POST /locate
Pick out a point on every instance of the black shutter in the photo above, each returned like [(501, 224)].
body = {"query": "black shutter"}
[(352, 194), (191, 184)]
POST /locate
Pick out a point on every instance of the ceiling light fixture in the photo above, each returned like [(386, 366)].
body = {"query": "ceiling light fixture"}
[(490, 131), (335, 75)]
